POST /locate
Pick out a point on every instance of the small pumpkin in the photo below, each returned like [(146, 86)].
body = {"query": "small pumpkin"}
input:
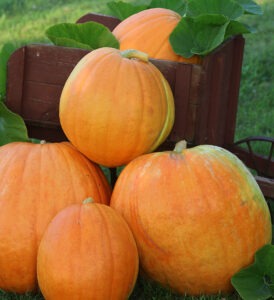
[(197, 215), (87, 252), (116, 106), (149, 31), (37, 181)]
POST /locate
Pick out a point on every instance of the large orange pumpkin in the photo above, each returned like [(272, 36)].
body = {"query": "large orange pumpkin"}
[(197, 215), (37, 181), (87, 252), (115, 106), (149, 31)]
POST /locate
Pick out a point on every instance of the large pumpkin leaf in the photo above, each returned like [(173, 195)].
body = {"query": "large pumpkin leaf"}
[(198, 35), (256, 282), (178, 6), (123, 10), (250, 7), (89, 35), (5, 52), (228, 8), (235, 28), (12, 127)]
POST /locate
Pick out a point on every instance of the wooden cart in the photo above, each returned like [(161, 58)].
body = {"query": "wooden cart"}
[(206, 97)]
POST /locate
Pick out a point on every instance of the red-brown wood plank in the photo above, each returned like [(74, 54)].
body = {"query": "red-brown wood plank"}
[(193, 104), (51, 64), (218, 99), (108, 21), (234, 88), (15, 79), (183, 111)]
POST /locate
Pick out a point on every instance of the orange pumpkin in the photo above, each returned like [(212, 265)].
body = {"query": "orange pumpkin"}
[(197, 215), (115, 106), (149, 31), (37, 181), (87, 252)]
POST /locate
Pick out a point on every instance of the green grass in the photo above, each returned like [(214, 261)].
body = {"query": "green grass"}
[(23, 22), (144, 290), (256, 100)]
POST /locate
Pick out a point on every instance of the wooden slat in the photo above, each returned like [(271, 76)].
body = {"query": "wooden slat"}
[(48, 132), (233, 91), (194, 103), (181, 94), (42, 106), (50, 64), (214, 99), (218, 101), (15, 79), (108, 21), (168, 69)]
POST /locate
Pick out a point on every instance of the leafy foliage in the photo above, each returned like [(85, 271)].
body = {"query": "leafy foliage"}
[(12, 127), (207, 24), (199, 35), (229, 9), (5, 52), (123, 10), (175, 5), (89, 35), (257, 280), (250, 7)]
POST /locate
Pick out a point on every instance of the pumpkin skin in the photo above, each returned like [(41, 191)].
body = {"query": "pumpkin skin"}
[(116, 106), (87, 252), (149, 31), (37, 181), (197, 215)]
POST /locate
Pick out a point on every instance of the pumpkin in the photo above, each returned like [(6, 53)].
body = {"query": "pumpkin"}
[(197, 215), (116, 106), (37, 181), (149, 31), (87, 252)]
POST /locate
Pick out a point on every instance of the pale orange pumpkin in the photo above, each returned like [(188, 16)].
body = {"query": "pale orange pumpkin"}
[(149, 31), (115, 106), (198, 216), (37, 181), (87, 252)]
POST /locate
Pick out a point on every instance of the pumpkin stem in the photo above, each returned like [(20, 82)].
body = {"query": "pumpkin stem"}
[(132, 53), (180, 146), (88, 200)]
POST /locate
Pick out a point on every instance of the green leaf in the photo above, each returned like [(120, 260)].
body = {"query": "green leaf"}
[(198, 35), (250, 7), (256, 282), (89, 35), (235, 28), (12, 127), (228, 8), (5, 52), (178, 6), (123, 10)]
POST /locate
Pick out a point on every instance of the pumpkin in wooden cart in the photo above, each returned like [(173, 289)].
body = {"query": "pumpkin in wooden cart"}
[(87, 252), (116, 105), (37, 181), (197, 215), (149, 31)]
